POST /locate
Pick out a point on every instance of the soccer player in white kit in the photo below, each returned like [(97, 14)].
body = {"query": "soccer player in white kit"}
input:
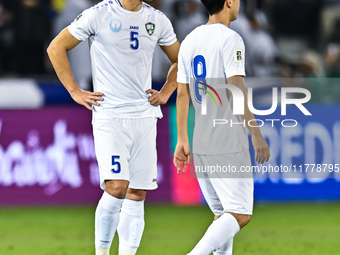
[(211, 53), (122, 35)]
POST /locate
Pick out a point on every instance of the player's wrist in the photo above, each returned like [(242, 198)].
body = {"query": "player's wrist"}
[(183, 142), (166, 93), (168, 89), (256, 134), (74, 91)]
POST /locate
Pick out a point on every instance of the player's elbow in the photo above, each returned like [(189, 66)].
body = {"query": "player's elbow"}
[(183, 97), (51, 50)]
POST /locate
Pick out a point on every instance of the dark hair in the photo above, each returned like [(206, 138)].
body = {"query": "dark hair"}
[(213, 6)]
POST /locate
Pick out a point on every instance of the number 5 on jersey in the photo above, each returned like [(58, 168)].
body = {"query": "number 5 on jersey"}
[(116, 165), (134, 41)]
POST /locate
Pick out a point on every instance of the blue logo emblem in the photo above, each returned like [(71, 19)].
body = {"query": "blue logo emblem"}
[(116, 26)]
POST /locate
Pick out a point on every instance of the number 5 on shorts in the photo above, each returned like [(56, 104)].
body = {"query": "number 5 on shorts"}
[(116, 170)]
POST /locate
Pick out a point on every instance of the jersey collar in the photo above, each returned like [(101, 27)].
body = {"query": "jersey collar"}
[(118, 2)]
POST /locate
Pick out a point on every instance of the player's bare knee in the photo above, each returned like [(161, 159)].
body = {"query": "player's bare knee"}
[(117, 188), (136, 194), (216, 217), (246, 219), (242, 219)]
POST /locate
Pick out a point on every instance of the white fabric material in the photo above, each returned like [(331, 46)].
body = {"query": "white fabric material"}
[(131, 226), (219, 233), (126, 253), (223, 193), (100, 251), (106, 220), (126, 150), (226, 249), (211, 54), (122, 46)]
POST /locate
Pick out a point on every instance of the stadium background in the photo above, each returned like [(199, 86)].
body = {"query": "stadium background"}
[(46, 147)]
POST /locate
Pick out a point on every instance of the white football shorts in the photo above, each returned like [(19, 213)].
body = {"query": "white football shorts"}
[(126, 150), (223, 193)]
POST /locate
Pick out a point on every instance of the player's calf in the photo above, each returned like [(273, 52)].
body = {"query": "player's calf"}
[(131, 224), (219, 233), (106, 222)]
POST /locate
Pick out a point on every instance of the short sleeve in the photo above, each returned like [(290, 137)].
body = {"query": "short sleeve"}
[(182, 75), (168, 36), (85, 25), (233, 55)]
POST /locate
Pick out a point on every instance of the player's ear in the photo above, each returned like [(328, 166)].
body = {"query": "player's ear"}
[(228, 3)]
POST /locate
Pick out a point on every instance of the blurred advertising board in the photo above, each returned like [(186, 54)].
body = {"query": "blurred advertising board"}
[(47, 156), (305, 157)]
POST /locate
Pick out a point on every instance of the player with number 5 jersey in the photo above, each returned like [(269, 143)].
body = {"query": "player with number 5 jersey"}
[(122, 35)]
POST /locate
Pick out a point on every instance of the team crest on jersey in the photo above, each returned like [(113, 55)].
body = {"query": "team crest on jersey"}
[(150, 28)]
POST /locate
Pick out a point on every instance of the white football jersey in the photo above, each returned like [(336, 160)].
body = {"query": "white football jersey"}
[(122, 45), (211, 54)]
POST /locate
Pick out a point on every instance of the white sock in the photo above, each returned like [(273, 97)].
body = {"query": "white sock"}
[(218, 234), (100, 251), (131, 226), (106, 222), (226, 249)]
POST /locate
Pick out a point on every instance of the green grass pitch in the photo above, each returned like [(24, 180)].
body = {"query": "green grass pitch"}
[(294, 229)]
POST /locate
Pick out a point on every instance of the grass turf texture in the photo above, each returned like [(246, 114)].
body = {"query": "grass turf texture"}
[(311, 229)]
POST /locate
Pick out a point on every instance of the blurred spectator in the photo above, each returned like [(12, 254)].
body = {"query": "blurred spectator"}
[(322, 90), (262, 49), (79, 56), (31, 27), (190, 16), (311, 65), (330, 18), (333, 60), (160, 62), (242, 26), (6, 41)]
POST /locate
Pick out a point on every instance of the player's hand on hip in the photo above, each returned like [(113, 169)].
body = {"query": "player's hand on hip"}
[(261, 148), (182, 156), (86, 98), (157, 98)]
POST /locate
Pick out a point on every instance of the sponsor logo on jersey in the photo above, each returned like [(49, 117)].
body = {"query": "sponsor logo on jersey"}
[(134, 27), (150, 28), (116, 26), (238, 56)]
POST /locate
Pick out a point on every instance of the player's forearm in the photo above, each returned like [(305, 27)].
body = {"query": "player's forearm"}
[(183, 100), (171, 84), (61, 65)]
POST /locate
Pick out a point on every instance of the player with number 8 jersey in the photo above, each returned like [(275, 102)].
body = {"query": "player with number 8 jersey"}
[(213, 55), (122, 35)]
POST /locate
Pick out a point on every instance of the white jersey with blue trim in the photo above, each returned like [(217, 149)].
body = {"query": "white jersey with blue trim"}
[(211, 54), (122, 44)]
